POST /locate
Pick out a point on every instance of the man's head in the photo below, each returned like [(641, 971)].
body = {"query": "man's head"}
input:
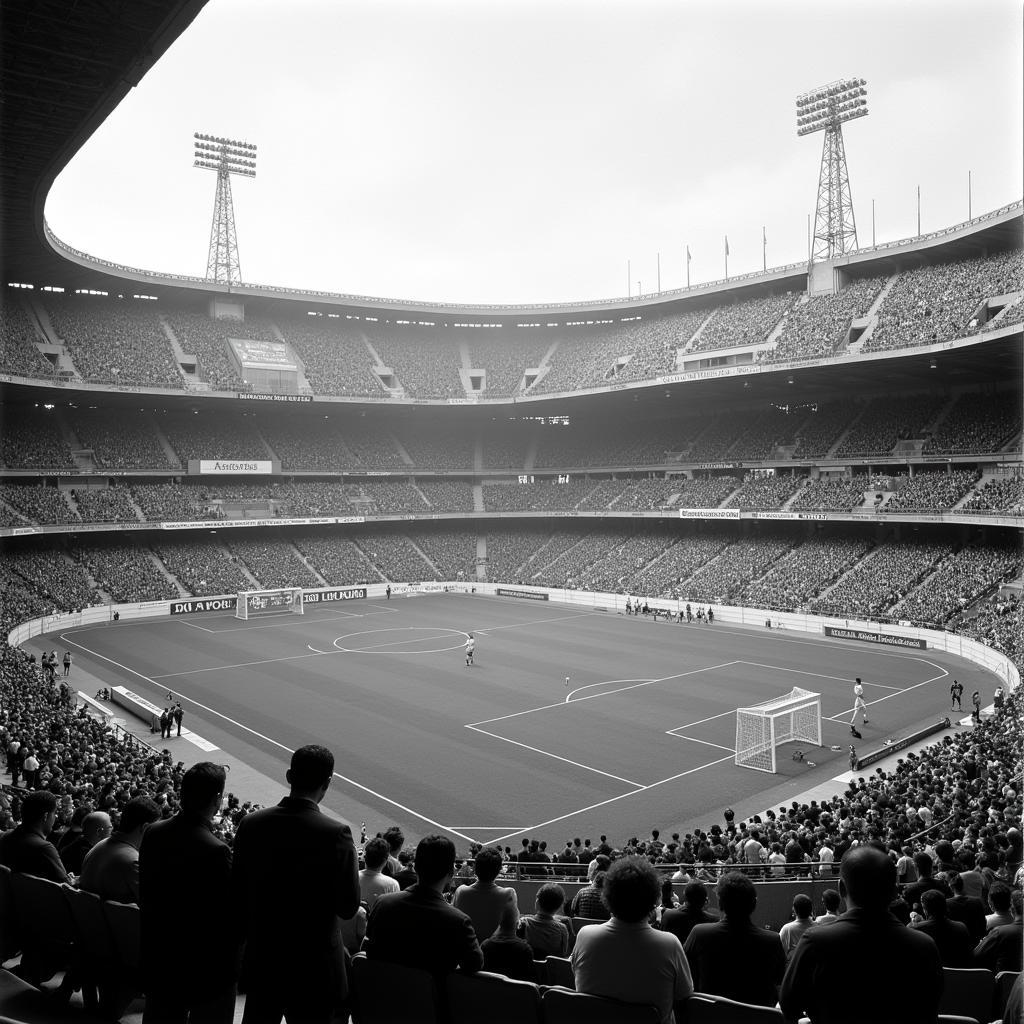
[(202, 789), (923, 863), (1016, 904), (487, 865), (139, 813), (375, 853), (632, 888), (695, 895), (830, 900), (435, 860), (933, 903), (999, 897), (39, 810), (867, 877), (311, 771), (96, 826), (802, 906), (736, 895), (395, 838), (550, 898)]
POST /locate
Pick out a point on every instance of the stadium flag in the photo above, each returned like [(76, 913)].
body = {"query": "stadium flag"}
[(688, 258)]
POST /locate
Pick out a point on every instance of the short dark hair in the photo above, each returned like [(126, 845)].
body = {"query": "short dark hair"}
[(312, 766), (550, 897), (395, 838), (140, 810), (869, 877), (999, 897), (37, 805), (934, 903), (487, 864), (736, 895), (1017, 902), (375, 853), (830, 899), (900, 909), (632, 888), (201, 784), (435, 858), (603, 861), (923, 863), (802, 905), (695, 894)]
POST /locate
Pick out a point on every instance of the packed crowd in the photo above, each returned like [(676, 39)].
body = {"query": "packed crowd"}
[(822, 428), (447, 495), (273, 563), (828, 494), (104, 504), (999, 622), (31, 441), (446, 450), (38, 503), (19, 354), (121, 440), (744, 323), (335, 358), (113, 341), (1002, 494), (427, 365), (339, 560), (723, 579), (930, 492), (311, 444), (396, 556), (203, 567), (883, 422), (976, 423), (506, 360), (451, 552), (765, 492), (207, 340), (125, 572), (211, 435)]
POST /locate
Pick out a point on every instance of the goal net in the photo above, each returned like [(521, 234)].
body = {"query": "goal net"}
[(795, 717), (268, 602)]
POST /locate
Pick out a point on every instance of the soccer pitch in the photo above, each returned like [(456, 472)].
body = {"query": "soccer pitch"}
[(642, 736)]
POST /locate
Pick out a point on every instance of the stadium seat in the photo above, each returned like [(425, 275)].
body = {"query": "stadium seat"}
[(123, 921), (10, 943), (47, 930), (384, 993), (967, 992), (1004, 983), (952, 1018), (707, 1009), (563, 1007), (540, 969), (96, 958), (23, 1003), (493, 998), (559, 972), (582, 922)]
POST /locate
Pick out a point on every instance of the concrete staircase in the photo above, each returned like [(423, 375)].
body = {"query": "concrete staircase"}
[(872, 317), (166, 573), (309, 565), (426, 558), (478, 498), (165, 445), (688, 347), (481, 556)]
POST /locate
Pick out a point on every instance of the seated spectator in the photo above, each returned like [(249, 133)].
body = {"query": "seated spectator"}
[(588, 901), (96, 826), (373, 883), (406, 875), (867, 940), (680, 921), (111, 867), (625, 958), (547, 933), (830, 900), (416, 927), (26, 848), (999, 899), (714, 950), (484, 900), (925, 881), (504, 952), (792, 931), (969, 910), (1000, 950), (952, 937)]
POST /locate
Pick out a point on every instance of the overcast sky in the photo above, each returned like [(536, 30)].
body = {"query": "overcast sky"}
[(520, 151)]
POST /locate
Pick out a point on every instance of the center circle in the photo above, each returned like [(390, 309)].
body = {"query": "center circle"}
[(402, 640)]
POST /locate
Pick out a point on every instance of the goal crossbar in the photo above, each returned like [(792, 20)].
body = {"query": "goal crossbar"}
[(762, 728)]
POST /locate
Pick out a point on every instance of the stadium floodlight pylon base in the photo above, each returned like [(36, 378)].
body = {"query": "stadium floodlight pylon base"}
[(761, 729), (269, 602)]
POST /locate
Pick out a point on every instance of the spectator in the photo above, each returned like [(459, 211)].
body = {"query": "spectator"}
[(969, 910), (625, 958), (372, 881), (395, 838), (111, 867), (869, 941), (406, 874), (951, 937), (830, 900), (1000, 950), (484, 900), (189, 945), (416, 927), (294, 875), (589, 901), (793, 931), (681, 921), (26, 848), (504, 952), (96, 827), (714, 950), (999, 897), (547, 933)]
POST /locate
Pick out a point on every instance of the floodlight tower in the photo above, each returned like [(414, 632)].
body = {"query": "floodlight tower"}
[(226, 157), (825, 109)]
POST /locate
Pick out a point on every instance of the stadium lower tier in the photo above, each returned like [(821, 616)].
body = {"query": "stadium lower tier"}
[(949, 579)]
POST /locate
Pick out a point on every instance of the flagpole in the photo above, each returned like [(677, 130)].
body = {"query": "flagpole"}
[(659, 272), (687, 266), (969, 195), (629, 280), (872, 223), (918, 211), (764, 246), (727, 257)]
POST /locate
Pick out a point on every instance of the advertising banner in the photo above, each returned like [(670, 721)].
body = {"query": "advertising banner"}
[(709, 513), (340, 594), (868, 637), (203, 604), (231, 466), (530, 595)]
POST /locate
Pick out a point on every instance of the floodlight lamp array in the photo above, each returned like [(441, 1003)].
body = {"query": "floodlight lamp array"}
[(831, 105), (219, 154)]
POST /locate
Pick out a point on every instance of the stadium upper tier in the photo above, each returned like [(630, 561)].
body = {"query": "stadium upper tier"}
[(99, 339)]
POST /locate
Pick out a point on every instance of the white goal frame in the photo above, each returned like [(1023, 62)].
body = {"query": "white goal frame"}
[(761, 729), (269, 602)]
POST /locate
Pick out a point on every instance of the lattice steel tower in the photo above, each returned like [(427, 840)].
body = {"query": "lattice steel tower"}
[(825, 109), (226, 157)]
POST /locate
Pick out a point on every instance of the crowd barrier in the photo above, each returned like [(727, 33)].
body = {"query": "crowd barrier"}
[(897, 635)]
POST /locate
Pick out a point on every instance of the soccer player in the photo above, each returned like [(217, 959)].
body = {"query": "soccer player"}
[(976, 703), (470, 648), (859, 706), (567, 681), (956, 691)]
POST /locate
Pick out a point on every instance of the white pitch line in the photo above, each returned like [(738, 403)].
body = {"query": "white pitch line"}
[(943, 674), (557, 757), (195, 625), (819, 675), (268, 739), (707, 743), (606, 682), (701, 721)]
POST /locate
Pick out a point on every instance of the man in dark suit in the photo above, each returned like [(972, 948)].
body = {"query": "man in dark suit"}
[(189, 942), (1001, 948), (969, 910), (952, 937), (682, 920), (858, 969), (26, 848), (111, 868), (715, 950), (416, 927), (294, 875)]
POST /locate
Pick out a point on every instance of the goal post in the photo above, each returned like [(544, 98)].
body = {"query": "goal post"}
[(268, 602), (761, 729)]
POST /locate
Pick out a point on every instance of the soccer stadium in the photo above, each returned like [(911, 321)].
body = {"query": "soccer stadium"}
[(648, 658)]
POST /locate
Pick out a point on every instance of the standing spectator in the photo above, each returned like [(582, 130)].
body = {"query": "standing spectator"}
[(625, 958), (926, 880), (546, 932), (416, 927), (999, 897), (830, 900), (189, 945), (111, 867), (177, 714), (714, 950), (952, 937), (1000, 950), (406, 874), (868, 940), (484, 900), (372, 882), (26, 848), (504, 952), (30, 767), (395, 838), (67, 664), (969, 910), (680, 922), (294, 875), (793, 931)]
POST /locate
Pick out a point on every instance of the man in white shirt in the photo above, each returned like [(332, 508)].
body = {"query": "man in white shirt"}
[(625, 958), (793, 931), (830, 900), (373, 883)]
